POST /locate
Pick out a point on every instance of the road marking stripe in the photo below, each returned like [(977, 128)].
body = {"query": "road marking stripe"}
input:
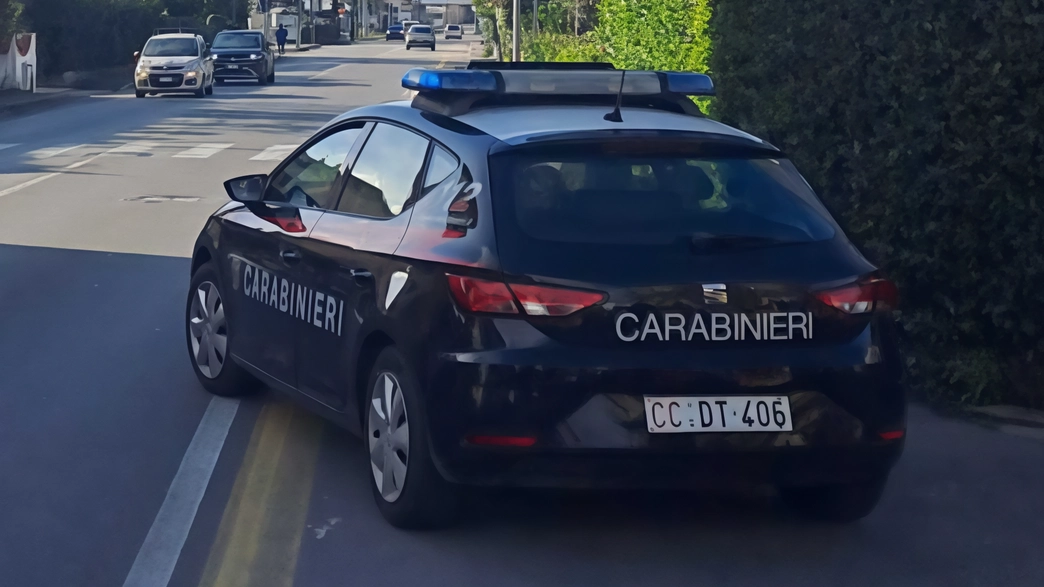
[(52, 151), (326, 71), (134, 148), (162, 547), (259, 536), (203, 151), (274, 153), (8, 145), (31, 182)]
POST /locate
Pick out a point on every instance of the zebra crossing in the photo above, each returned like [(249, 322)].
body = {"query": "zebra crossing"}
[(10, 151)]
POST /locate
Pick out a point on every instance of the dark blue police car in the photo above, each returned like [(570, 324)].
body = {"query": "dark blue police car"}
[(537, 276)]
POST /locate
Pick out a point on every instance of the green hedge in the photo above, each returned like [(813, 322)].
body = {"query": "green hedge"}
[(921, 123)]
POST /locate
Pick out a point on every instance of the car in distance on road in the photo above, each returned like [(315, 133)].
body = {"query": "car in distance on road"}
[(420, 35), (243, 55), (453, 31), (395, 33), (174, 63), (556, 276)]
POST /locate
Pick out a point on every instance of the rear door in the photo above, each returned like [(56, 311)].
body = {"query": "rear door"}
[(349, 257), (696, 245)]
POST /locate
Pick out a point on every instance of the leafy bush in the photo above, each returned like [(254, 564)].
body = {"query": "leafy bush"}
[(921, 123), (655, 34)]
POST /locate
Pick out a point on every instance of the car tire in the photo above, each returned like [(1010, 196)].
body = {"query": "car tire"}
[(153, 93), (139, 94), (271, 77), (433, 46), (210, 88), (201, 310), (420, 498), (407, 46), (841, 503), (201, 92)]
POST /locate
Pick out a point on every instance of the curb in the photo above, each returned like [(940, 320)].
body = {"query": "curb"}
[(1010, 415)]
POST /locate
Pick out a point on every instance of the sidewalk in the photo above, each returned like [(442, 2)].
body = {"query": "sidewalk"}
[(16, 102)]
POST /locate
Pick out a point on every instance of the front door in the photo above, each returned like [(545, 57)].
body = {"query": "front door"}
[(349, 256)]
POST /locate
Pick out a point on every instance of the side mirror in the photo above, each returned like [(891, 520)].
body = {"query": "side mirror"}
[(137, 55), (249, 188)]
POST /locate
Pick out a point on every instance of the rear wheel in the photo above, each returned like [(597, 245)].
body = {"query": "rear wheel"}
[(409, 491), (207, 331), (841, 503)]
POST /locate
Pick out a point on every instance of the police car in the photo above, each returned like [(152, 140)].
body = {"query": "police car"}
[(549, 275)]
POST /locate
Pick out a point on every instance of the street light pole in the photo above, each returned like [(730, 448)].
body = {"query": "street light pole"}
[(536, 21), (516, 50), (297, 37)]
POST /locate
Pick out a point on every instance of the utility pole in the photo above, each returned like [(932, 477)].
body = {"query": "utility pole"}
[(536, 21), (576, 18), (516, 50), (233, 13), (297, 37), (311, 19)]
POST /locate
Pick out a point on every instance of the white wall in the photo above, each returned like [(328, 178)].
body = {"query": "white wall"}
[(12, 65)]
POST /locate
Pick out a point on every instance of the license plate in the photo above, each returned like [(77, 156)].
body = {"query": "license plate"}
[(166, 79), (718, 414), (232, 66)]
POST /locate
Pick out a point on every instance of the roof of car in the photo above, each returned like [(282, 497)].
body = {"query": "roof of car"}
[(509, 124), (176, 36), (240, 32)]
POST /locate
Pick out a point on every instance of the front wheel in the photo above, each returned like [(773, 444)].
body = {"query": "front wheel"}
[(207, 330), (271, 77), (433, 46), (842, 503), (210, 88), (139, 94), (409, 491), (407, 46)]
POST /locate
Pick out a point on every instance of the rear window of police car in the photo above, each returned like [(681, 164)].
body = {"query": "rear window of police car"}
[(566, 195)]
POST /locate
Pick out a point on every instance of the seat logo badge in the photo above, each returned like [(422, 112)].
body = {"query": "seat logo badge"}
[(714, 293)]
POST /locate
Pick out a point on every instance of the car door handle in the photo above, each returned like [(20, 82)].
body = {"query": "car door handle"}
[(290, 257), (360, 274)]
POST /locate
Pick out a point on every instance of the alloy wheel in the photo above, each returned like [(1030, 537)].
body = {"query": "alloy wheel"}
[(208, 330), (389, 436)]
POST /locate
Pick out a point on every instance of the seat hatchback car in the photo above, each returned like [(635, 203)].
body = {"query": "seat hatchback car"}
[(536, 277), (174, 64), (243, 55), (394, 33), (420, 35)]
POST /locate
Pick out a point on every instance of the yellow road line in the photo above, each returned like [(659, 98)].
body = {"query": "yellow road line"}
[(260, 532)]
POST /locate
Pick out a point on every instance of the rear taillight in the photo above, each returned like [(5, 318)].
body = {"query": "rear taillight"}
[(480, 295), (554, 301), (862, 297)]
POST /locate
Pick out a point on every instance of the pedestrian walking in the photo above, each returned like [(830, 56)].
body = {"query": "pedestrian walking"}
[(281, 36)]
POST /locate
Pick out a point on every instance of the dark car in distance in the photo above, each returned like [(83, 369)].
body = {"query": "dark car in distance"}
[(537, 276), (395, 33), (243, 55)]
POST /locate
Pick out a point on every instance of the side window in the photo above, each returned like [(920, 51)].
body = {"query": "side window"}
[(311, 179), (385, 173), (440, 167)]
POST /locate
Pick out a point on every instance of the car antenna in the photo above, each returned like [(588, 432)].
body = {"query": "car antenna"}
[(615, 116)]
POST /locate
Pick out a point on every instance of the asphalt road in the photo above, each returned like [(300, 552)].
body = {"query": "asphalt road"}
[(107, 441)]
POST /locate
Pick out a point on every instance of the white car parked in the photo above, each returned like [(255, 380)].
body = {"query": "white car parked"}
[(453, 31)]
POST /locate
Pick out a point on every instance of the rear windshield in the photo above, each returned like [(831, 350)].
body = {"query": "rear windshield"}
[(452, 27), (237, 41), (171, 48), (624, 200), (420, 29)]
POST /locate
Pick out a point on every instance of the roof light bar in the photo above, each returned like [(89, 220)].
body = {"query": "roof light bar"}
[(549, 81), (453, 80)]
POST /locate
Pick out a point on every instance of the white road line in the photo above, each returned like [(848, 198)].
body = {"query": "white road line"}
[(203, 151), (52, 151), (326, 71), (31, 182), (134, 148), (162, 547), (274, 153)]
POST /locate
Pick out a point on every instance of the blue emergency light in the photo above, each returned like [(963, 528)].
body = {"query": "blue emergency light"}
[(551, 82), (454, 80)]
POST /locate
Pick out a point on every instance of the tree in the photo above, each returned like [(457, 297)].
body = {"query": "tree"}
[(9, 11), (655, 34)]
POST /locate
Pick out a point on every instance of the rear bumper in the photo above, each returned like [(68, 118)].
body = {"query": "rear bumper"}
[(589, 428), (420, 43), (395, 37)]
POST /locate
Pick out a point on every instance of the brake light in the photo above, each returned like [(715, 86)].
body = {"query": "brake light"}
[(538, 300), (480, 295), (862, 297)]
